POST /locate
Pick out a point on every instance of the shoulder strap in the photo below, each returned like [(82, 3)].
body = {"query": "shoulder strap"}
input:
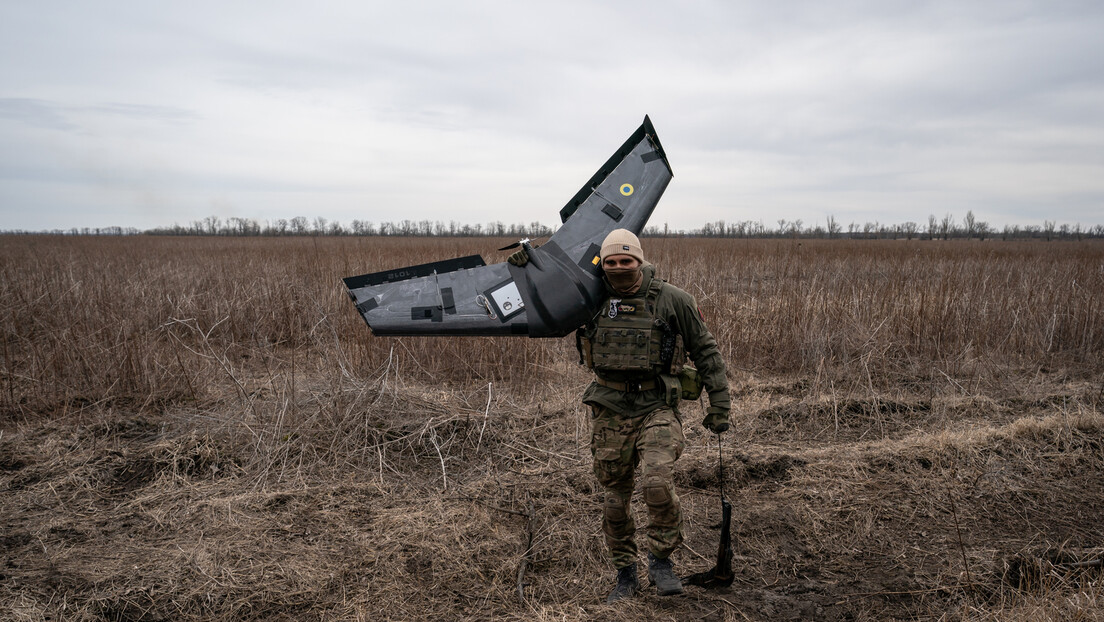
[(653, 293)]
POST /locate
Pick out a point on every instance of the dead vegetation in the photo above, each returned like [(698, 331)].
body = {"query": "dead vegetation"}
[(204, 429)]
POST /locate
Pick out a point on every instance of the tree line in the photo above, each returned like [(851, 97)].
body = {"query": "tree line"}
[(299, 225), (944, 228)]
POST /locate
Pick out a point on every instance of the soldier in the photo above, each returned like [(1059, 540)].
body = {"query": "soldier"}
[(637, 345)]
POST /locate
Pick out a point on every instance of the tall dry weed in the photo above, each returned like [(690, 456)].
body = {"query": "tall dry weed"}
[(148, 321)]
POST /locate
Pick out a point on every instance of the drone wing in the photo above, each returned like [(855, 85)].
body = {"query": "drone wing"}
[(556, 292)]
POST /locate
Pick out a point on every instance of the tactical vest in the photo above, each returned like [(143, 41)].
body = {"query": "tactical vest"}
[(626, 336)]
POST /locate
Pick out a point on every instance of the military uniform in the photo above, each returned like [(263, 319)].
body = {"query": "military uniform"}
[(635, 345)]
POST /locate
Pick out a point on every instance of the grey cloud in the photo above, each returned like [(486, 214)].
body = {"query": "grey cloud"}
[(165, 114), (34, 113), (43, 114)]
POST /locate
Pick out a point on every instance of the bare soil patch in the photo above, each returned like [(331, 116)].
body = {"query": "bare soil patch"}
[(137, 517)]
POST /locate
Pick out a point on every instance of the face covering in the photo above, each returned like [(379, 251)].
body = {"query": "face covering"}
[(625, 281)]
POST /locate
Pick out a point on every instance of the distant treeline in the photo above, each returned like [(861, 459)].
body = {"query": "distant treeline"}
[(945, 228)]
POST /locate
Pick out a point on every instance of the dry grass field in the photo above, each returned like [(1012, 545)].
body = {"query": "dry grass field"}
[(204, 429)]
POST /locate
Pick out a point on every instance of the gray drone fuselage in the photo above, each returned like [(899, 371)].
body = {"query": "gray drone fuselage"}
[(560, 287)]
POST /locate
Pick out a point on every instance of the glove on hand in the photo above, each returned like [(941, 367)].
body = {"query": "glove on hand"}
[(716, 419), (519, 258)]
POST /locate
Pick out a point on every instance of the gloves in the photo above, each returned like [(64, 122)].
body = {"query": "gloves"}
[(716, 419), (519, 258)]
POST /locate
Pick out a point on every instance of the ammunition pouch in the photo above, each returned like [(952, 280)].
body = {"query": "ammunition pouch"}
[(672, 388), (690, 383)]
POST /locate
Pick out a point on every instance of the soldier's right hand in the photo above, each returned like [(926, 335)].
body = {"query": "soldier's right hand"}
[(716, 420), (519, 258)]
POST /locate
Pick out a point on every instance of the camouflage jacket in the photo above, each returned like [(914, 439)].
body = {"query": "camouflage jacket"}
[(679, 310)]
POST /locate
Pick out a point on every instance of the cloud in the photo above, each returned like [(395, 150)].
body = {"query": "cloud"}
[(888, 110), (167, 114), (34, 113)]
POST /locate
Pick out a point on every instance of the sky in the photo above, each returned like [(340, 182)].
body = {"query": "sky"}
[(145, 114)]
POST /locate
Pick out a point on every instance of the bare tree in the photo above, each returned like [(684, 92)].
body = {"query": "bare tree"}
[(299, 225), (946, 226), (795, 228), (910, 228), (870, 230), (970, 224), (982, 229)]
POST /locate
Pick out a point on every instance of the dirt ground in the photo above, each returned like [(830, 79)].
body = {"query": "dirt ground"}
[(204, 429), (910, 508)]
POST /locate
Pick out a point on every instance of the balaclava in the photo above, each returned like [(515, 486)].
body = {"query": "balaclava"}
[(624, 281)]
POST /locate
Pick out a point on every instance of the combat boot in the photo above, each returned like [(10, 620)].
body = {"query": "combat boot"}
[(627, 585), (663, 577)]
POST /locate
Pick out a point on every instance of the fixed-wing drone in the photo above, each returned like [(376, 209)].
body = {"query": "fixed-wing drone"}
[(560, 287)]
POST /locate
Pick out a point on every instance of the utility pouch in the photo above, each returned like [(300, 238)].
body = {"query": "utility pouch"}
[(690, 382), (672, 387), (584, 345)]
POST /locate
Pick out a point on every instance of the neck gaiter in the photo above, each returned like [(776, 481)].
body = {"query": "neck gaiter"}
[(625, 281)]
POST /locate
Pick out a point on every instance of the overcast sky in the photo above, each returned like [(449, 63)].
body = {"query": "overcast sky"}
[(145, 114)]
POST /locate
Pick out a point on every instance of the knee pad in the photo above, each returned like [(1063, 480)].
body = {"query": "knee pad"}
[(657, 493)]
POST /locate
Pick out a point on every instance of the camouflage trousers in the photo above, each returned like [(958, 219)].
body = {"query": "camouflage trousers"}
[(620, 443)]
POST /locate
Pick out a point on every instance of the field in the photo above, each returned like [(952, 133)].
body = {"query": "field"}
[(204, 429)]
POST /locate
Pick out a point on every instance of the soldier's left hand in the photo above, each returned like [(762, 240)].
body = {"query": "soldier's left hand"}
[(519, 258), (716, 419)]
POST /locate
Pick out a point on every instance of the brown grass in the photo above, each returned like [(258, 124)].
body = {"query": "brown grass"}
[(205, 429)]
